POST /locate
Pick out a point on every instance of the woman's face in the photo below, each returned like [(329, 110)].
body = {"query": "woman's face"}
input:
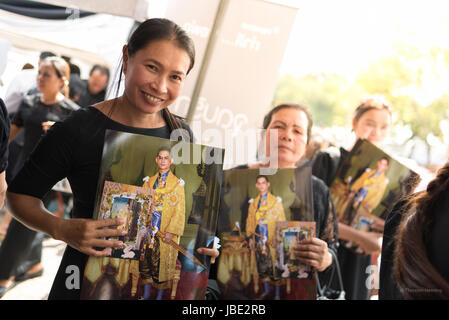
[(154, 75), (291, 126), (373, 126), (48, 82)]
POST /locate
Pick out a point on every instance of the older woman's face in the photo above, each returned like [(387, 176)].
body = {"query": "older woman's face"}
[(291, 127), (373, 126)]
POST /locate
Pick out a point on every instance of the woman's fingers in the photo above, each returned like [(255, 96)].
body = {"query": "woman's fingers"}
[(98, 253), (311, 244), (307, 255), (86, 234), (110, 233), (310, 262), (313, 252), (108, 222)]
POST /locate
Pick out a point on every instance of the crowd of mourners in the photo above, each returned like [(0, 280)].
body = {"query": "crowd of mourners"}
[(53, 125)]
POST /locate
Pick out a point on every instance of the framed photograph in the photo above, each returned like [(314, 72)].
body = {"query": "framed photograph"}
[(167, 193), (251, 207), (132, 204), (289, 233)]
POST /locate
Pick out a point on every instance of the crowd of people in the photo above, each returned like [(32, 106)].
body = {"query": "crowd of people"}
[(64, 120)]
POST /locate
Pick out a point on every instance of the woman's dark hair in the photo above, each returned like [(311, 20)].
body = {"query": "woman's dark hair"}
[(413, 270), (46, 54), (296, 106), (373, 102), (160, 29)]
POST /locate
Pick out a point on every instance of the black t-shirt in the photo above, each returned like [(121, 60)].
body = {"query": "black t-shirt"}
[(4, 136), (73, 149), (31, 114), (388, 289), (325, 164)]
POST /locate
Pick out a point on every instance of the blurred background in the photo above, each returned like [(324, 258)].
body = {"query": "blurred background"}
[(253, 54)]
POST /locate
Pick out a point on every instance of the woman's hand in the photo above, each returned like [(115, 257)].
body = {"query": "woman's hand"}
[(86, 234), (47, 125), (369, 242), (378, 224), (313, 252)]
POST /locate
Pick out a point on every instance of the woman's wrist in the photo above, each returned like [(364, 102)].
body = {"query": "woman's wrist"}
[(56, 227), (327, 261)]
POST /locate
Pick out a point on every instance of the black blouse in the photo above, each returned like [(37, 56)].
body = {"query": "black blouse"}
[(4, 136), (73, 149), (31, 114)]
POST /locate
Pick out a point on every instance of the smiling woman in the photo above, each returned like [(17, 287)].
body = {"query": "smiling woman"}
[(156, 60)]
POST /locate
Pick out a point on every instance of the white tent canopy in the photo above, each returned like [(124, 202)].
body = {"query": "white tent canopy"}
[(89, 40), (136, 9)]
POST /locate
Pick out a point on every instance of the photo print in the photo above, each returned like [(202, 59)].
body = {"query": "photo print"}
[(251, 207), (167, 192), (367, 185), (289, 233)]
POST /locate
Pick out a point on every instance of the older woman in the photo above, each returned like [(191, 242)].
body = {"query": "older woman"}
[(293, 125)]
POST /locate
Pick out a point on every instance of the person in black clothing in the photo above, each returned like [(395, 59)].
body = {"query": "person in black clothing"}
[(156, 61), (371, 121), (293, 123), (95, 87), (76, 88), (417, 264), (4, 138), (21, 250)]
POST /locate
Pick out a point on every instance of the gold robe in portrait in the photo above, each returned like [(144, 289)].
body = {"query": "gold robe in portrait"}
[(275, 213), (375, 186), (172, 221)]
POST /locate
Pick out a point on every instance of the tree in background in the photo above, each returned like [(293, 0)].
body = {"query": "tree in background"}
[(414, 81)]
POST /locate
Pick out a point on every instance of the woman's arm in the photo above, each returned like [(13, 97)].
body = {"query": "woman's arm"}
[(82, 234), (14, 131), (368, 241)]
